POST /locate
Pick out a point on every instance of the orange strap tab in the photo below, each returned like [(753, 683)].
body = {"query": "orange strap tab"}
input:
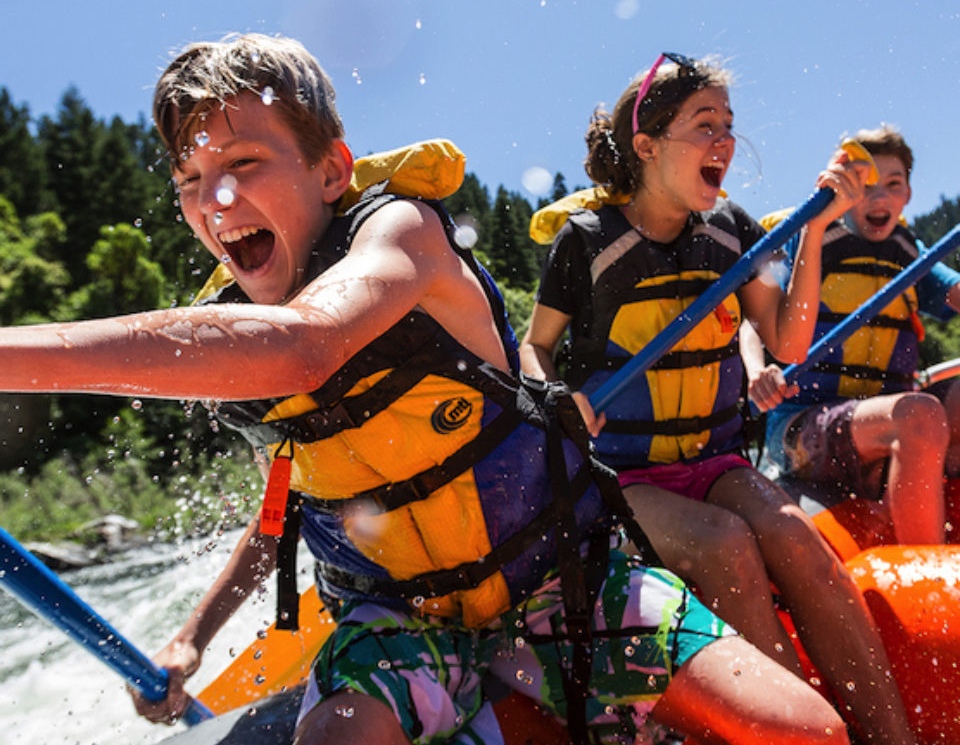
[(723, 315), (917, 324), (275, 496)]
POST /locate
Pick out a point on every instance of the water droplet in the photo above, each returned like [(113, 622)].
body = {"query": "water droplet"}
[(267, 96), (418, 601), (217, 218), (345, 711), (202, 138), (384, 664), (629, 651), (465, 236), (356, 76), (138, 223), (524, 677), (519, 642), (423, 79), (259, 680), (851, 686), (136, 404)]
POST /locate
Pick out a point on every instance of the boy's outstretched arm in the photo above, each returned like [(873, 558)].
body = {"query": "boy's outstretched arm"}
[(400, 260)]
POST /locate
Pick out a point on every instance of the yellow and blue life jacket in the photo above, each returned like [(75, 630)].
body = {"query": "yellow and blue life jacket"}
[(418, 469), (882, 355), (687, 406)]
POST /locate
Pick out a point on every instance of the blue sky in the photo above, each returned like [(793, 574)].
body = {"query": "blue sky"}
[(513, 82)]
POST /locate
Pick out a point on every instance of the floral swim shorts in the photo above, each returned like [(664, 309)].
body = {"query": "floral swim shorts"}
[(431, 672)]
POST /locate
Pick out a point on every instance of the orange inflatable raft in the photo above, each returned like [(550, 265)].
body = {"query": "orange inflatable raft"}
[(912, 591)]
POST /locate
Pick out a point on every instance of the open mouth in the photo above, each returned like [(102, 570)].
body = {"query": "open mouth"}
[(713, 175), (249, 248), (878, 219)]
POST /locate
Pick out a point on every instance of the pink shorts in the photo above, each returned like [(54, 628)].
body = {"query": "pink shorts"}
[(692, 480)]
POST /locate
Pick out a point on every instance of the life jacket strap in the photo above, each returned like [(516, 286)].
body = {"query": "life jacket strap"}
[(674, 427)]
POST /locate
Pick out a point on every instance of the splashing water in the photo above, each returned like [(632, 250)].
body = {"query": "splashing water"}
[(267, 96), (54, 692), (202, 138)]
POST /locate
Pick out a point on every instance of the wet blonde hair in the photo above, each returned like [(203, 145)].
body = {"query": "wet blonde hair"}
[(207, 76)]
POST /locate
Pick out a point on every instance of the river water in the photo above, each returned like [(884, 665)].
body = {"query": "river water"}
[(52, 691)]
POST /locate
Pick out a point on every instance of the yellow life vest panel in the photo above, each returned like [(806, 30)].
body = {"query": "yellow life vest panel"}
[(418, 468), (687, 406)]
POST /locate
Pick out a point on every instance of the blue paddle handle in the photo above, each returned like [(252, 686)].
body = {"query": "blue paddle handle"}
[(38, 588), (710, 299), (907, 276)]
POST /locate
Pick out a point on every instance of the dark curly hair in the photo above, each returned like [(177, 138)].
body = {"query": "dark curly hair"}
[(611, 161)]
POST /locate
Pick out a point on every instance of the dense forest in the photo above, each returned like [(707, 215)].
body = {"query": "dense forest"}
[(89, 227)]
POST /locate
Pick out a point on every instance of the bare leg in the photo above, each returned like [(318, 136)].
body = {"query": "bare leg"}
[(830, 614), (729, 692), (950, 397), (910, 428), (350, 719), (715, 550)]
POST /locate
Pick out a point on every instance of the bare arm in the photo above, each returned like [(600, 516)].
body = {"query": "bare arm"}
[(537, 350), (251, 563), (540, 342), (953, 297), (399, 260), (766, 386), (787, 331)]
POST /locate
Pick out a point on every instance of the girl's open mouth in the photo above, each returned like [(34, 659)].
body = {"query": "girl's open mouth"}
[(713, 175)]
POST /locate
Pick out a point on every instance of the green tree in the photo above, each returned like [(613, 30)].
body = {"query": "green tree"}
[(70, 143), (21, 161), (513, 255), (31, 284), (125, 279)]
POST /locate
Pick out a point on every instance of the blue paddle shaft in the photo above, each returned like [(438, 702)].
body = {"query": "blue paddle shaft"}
[(710, 299), (39, 589), (907, 276)]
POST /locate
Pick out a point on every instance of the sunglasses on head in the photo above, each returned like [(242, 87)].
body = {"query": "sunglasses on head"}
[(682, 60)]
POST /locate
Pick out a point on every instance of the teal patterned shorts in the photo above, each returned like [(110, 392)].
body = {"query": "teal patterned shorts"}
[(431, 672)]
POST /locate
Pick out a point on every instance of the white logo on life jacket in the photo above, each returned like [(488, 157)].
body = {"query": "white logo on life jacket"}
[(451, 415)]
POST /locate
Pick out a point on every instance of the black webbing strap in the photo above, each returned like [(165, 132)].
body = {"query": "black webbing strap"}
[(864, 372), (606, 480), (673, 427), (288, 598), (577, 607)]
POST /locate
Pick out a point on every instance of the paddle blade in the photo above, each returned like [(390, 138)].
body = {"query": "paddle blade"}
[(276, 661)]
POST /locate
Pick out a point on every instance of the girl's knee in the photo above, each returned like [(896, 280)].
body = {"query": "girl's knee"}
[(921, 417)]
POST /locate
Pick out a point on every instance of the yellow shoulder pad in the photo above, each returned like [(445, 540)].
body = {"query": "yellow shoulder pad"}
[(769, 221), (432, 169), (547, 221), (218, 279)]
